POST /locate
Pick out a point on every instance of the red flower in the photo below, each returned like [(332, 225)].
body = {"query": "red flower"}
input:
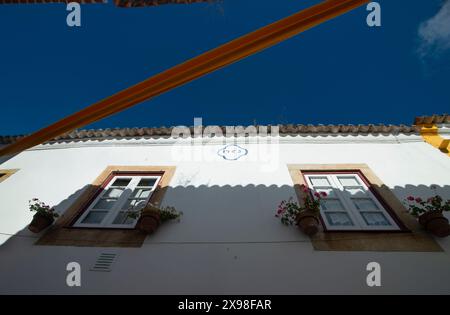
[(410, 198), (418, 199), (304, 188), (323, 194), (317, 194)]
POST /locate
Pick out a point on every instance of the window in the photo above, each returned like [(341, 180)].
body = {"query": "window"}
[(403, 235), (349, 205), (108, 227), (121, 193)]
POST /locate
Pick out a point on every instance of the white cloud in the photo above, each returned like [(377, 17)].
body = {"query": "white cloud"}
[(434, 34)]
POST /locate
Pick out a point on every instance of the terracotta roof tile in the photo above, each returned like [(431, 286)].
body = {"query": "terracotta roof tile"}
[(289, 129), (49, 1), (435, 119), (144, 3)]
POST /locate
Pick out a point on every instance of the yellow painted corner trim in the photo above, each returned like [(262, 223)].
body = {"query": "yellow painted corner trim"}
[(4, 174), (430, 134)]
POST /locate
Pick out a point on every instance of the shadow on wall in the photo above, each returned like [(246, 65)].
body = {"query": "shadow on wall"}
[(61, 208), (227, 238), (216, 213), (4, 159)]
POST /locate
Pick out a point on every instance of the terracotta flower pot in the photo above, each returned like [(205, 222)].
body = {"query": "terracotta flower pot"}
[(308, 222), (40, 222), (149, 220), (436, 223)]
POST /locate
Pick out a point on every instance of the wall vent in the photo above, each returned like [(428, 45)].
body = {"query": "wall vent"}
[(104, 262)]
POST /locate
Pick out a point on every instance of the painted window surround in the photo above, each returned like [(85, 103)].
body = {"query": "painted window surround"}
[(63, 233), (411, 237), (350, 204), (6, 173), (121, 193)]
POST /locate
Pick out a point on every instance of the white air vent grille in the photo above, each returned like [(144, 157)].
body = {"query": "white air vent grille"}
[(104, 262)]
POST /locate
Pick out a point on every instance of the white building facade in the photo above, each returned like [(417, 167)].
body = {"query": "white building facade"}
[(228, 240)]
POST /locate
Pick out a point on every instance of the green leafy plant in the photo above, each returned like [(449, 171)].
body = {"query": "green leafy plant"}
[(166, 213), (417, 206), (169, 213), (288, 210), (41, 208)]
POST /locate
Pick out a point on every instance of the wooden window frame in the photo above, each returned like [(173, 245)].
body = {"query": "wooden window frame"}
[(63, 233), (410, 238)]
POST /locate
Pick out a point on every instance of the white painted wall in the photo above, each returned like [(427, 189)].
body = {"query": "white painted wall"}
[(228, 240)]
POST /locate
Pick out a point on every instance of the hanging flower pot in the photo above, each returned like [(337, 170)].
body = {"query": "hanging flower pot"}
[(149, 220), (436, 223), (430, 213), (151, 217), (308, 222), (43, 218), (40, 222), (305, 216)]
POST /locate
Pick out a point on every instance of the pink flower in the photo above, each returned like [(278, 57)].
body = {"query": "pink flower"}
[(323, 194), (281, 209), (418, 199), (410, 198), (317, 194)]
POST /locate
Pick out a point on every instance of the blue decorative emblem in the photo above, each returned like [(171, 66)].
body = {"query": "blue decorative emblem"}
[(232, 152)]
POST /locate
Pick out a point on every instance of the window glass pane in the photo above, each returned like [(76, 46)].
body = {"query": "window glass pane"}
[(348, 181), (94, 217), (132, 204), (105, 204), (338, 219), (355, 191), (320, 181), (365, 204), (113, 193), (375, 218), (147, 182), (123, 218), (121, 182), (141, 193), (331, 204), (329, 191)]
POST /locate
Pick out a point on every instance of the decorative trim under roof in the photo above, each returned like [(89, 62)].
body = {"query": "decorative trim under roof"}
[(435, 119), (284, 130)]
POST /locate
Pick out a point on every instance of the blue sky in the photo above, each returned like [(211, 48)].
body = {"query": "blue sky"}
[(339, 72)]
